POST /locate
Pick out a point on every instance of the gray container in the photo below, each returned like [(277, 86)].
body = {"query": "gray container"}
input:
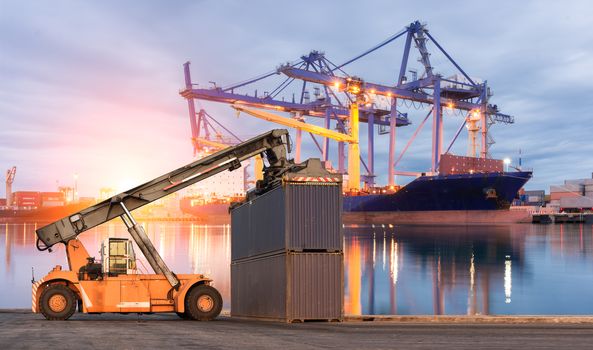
[(289, 287), (535, 197), (576, 202), (571, 187), (292, 217), (574, 182)]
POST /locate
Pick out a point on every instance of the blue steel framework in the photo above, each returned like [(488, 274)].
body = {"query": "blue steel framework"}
[(332, 99)]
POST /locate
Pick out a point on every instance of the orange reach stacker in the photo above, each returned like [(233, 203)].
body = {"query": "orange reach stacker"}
[(114, 284)]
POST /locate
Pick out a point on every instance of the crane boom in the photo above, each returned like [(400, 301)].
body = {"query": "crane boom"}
[(209, 143), (293, 123), (384, 90), (274, 144)]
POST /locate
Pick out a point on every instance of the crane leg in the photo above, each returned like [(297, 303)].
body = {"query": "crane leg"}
[(147, 248), (354, 150)]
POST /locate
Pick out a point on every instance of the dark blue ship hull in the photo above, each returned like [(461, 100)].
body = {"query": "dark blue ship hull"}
[(484, 191)]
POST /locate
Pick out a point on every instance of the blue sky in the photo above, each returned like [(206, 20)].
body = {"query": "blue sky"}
[(92, 87)]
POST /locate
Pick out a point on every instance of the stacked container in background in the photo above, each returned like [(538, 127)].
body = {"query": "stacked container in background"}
[(574, 194), (26, 199), (286, 249), (53, 199)]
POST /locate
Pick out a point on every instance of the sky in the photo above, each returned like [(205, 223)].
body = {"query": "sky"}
[(92, 87)]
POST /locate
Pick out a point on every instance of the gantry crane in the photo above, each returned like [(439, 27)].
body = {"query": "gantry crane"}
[(114, 284), (10, 174), (457, 92), (209, 135)]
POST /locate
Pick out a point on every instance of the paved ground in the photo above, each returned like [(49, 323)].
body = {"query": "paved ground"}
[(26, 330)]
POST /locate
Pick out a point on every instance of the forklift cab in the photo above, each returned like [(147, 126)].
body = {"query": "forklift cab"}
[(118, 257)]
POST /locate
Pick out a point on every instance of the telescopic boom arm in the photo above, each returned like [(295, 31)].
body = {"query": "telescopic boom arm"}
[(273, 144)]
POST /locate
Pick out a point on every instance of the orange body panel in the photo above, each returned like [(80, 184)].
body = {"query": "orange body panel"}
[(122, 293)]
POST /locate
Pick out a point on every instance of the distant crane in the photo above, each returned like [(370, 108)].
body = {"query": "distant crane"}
[(10, 174), (209, 136)]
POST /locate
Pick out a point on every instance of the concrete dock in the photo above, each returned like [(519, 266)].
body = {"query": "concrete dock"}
[(22, 329)]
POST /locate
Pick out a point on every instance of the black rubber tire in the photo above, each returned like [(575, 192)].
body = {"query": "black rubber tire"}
[(191, 303), (182, 315), (57, 289)]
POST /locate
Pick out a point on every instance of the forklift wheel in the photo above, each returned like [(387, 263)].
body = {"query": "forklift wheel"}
[(57, 302), (203, 303)]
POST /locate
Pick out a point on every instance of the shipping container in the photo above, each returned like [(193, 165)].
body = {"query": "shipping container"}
[(574, 182), (52, 199), (52, 196), (47, 204), (578, 188), (451, 164), (535, 197), (560, 195), (289, 287), (300, 215), (576, 202), (27, 199)]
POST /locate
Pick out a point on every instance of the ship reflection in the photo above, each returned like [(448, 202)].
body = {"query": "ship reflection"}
[(430, 269)]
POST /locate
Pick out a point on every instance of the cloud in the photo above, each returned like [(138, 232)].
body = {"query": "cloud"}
[(92, 87)]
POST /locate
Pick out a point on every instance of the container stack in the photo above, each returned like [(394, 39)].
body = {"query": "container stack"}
[(574, 194), (286, 249)]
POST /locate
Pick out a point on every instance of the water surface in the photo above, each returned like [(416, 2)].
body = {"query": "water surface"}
[(502, 269)]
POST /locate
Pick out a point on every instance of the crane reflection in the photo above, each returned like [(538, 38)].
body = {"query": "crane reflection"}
[(430, 269)]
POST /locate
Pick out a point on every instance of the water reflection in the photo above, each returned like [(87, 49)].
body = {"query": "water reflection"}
[(513, 269), (186, 248)]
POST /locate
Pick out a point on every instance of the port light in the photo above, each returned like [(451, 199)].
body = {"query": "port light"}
[(354, 89), (506, 162)]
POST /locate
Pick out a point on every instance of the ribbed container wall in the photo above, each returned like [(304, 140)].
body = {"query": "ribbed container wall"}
[(316, 286), (292, 217), (258, 226), (258, 287), (314, 219), (289, 287)]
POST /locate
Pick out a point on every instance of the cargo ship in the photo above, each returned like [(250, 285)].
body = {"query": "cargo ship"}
[(40, 214), (39, 206), (210, 210), (466, 190)]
